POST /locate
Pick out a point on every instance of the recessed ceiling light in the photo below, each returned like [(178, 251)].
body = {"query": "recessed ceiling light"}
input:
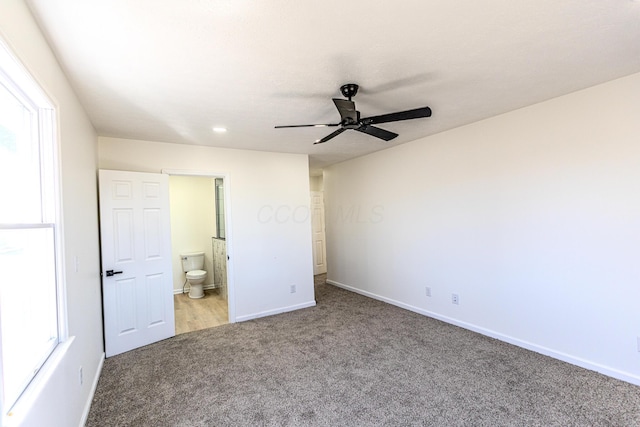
[(219, 130)]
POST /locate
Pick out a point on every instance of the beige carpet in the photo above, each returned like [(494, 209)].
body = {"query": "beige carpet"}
[(352, 361)]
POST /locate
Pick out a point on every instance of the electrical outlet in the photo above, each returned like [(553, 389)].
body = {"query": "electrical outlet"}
[(80, 375), (455, 299), (293, 289), (638, 344), (427, 291)]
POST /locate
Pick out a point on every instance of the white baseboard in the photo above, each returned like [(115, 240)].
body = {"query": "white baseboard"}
[(92, 392), (204, 288), (275, 311), (605, 370)]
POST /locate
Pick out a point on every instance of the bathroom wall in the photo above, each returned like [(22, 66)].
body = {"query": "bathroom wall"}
[(192, 223)]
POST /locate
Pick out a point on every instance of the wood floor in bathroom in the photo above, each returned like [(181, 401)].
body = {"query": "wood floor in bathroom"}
[(202, 313)]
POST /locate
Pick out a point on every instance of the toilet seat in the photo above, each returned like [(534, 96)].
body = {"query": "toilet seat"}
[(196, 274)]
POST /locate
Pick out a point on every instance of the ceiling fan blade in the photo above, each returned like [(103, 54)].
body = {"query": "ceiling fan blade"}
[(347, 109), (377, 132), (308, 126), (416, 113), (331, 135)]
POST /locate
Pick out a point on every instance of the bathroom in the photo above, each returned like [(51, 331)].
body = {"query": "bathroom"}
[(198, 225)]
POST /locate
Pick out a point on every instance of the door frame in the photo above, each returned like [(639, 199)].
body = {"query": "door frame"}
[(231, 294)]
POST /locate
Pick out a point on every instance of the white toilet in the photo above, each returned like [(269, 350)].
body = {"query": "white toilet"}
[(193, 264)]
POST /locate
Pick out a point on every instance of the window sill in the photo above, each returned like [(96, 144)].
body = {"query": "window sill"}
[(27, 400)]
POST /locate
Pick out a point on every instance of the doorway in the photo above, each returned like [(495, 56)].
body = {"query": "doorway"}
[(317, 226), (198, 225)]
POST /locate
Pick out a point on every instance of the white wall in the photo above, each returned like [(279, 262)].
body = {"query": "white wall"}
[(193, 224), (63, 401), (269, 237), (316, 183), (532, 217)]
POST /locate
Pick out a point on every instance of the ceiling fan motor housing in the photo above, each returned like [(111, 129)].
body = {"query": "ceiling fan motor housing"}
[(352, 123)]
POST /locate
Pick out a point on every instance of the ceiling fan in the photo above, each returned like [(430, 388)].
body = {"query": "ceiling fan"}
[(350, 117)]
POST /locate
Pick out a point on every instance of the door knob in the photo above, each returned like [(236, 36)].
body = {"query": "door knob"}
[(111, 273)]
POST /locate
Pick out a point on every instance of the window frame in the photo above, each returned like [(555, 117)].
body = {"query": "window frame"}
[(221, 228), (18, 81)]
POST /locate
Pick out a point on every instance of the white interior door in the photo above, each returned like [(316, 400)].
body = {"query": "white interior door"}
[(317, 221), (136, 259)]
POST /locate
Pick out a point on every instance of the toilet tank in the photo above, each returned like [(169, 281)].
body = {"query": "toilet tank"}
[(192, 261)]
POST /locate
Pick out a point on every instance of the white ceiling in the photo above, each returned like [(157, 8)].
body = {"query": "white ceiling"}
[(170, 70)]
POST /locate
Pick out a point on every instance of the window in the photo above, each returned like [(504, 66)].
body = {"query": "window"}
[(30, 328), (220, 228)]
